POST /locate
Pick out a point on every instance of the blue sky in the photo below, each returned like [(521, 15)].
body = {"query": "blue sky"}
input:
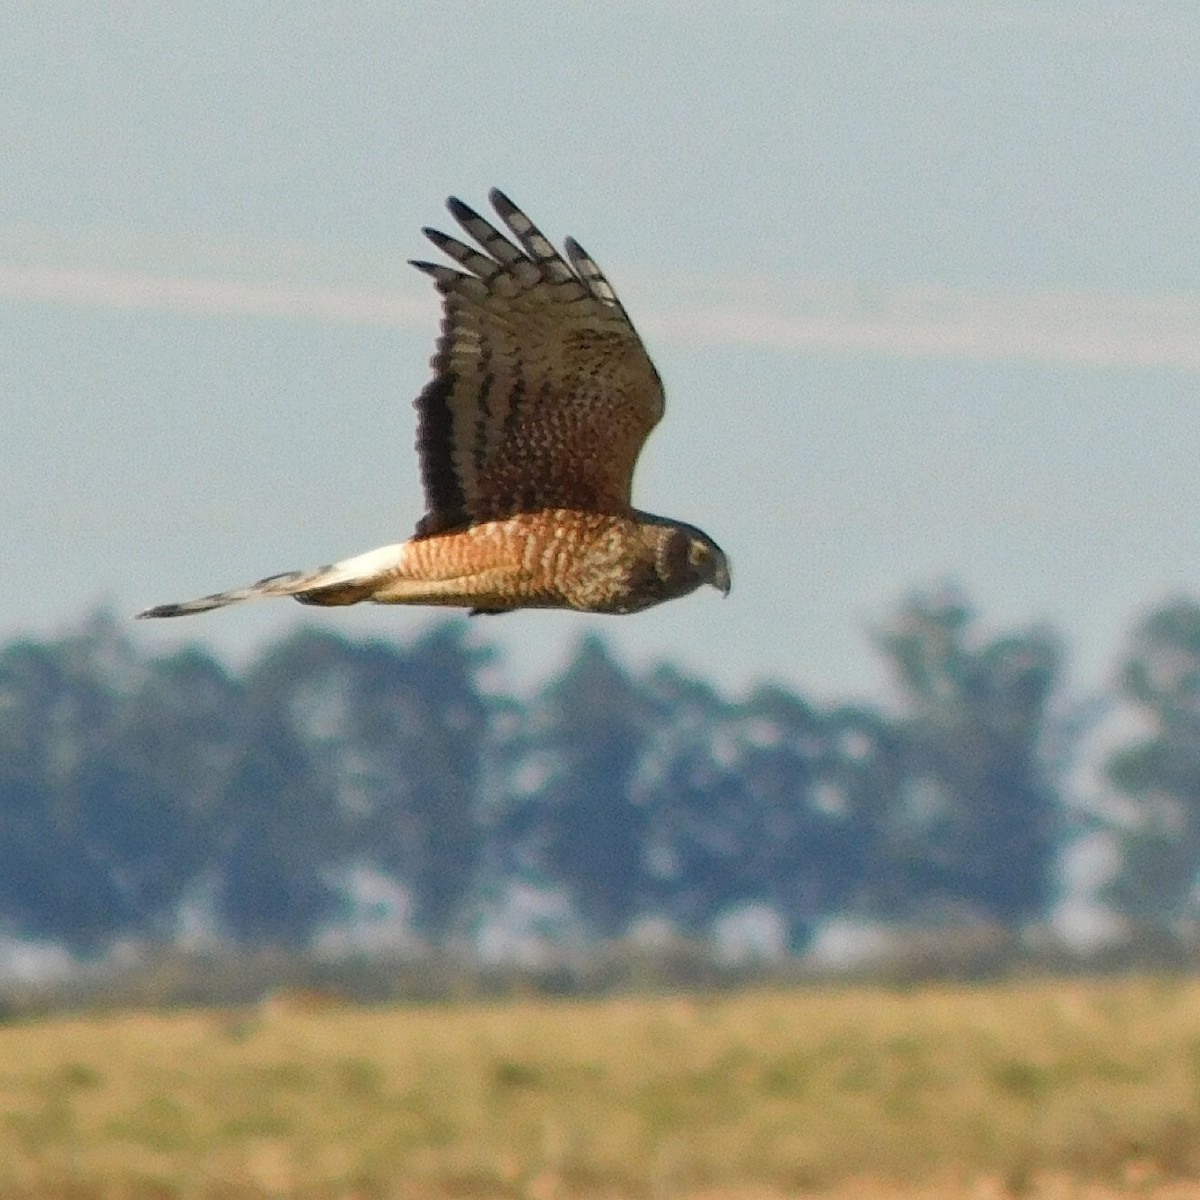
[(923, 281)]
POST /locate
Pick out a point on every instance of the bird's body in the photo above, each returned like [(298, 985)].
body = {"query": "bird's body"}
[(541, 400)]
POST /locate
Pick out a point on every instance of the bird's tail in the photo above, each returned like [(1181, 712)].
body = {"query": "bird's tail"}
[(345, 582)]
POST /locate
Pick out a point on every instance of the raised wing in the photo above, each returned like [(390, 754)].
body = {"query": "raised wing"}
[(543, 394)]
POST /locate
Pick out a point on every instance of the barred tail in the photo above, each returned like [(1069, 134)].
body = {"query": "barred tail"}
[(347, 582)]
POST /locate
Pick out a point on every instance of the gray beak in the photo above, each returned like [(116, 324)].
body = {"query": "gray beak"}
[(721, 580)]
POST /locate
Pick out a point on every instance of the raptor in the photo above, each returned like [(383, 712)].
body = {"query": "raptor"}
[(528, 433)]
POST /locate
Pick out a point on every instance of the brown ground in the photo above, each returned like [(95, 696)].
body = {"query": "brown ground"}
[(1047, 1089)]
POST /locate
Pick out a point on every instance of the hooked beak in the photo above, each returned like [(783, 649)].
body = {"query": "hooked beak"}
[(721, 579)]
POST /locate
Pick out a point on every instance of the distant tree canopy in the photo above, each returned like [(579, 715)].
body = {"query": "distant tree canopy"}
[(140, 795), (979, 818), (1160, 680)]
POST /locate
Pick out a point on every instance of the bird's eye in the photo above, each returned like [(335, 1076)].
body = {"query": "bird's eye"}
[(697, 554)]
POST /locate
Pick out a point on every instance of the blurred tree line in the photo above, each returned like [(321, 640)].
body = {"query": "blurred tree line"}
[(336, 782)]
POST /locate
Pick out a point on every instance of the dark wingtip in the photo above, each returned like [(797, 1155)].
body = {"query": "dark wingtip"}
[(437, 237), (579, 256), (501, 203), (428, 268), (461, 212)]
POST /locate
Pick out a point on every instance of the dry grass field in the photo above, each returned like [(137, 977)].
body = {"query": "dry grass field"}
[(1052, 1089)]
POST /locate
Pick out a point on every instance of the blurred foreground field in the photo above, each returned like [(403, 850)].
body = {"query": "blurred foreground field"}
[(1054, 1089)]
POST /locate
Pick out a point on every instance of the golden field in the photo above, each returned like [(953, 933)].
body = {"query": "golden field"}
[(1053, 1089)]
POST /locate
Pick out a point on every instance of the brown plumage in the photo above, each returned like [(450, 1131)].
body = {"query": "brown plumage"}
[(528, 433)]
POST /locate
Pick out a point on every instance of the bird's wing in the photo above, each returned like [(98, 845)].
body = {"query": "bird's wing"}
[(543, 394)]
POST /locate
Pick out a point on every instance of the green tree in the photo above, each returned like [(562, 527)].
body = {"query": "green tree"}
[(420, 726), (766, 800), (977, 821), (571, 764), (364, 753), (1160, 772), (95, 837)]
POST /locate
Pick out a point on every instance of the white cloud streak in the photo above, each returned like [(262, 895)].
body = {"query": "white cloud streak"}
[(1115, 19), (1067, 326), (107, 287), (1111, 20), (805, 316)]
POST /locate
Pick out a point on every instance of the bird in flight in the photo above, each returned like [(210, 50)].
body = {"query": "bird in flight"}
[(541, 399)]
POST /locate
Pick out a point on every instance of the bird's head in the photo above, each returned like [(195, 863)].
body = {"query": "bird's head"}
[(686, 558)]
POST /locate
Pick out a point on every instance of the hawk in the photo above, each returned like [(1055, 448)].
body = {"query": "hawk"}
[(541, 399)]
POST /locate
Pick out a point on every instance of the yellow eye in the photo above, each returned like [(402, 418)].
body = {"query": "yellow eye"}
[(697, 554)]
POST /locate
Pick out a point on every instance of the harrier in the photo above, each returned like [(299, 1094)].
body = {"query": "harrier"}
[(541, 399)]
